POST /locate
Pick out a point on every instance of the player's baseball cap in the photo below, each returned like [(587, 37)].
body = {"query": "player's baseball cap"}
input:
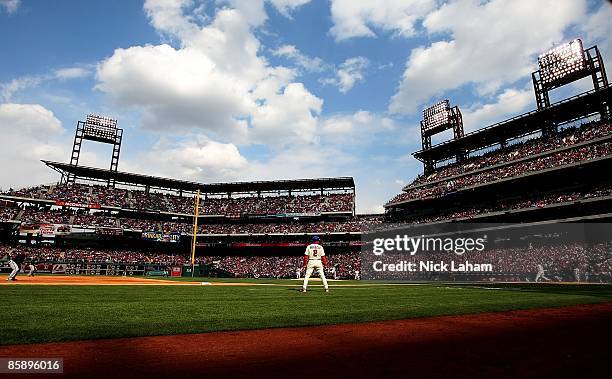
[(316, 238)]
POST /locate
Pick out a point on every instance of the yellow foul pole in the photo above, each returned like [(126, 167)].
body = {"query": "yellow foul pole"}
[(195, 230)]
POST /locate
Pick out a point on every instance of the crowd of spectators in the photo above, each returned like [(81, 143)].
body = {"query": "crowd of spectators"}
[(92, 255), (167, 202), (29, 192), (8, 213), (355, 224), (567, 137), (139, 224), (109, 196), (95, 220), (75, 193), (557, 261), (535, 201), (340, 266), (351, 225), (32, 215), (82, 218), (583, 153)]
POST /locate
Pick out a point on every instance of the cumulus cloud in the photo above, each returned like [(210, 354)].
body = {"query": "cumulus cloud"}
[(10, 6), (30, 132), (357, 18), (7, 90), (598, 30), (305, 62), (30, 119), (71, 73), (288, 117), (301, 161), (196, 158), (348, 124), (510, 102), (348, 74), (495, 51), (215, 82)]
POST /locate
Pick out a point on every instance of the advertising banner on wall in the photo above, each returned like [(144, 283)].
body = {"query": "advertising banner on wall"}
[(109, 231), (44, 229), (62, 203), (160, 237), (59, 268)]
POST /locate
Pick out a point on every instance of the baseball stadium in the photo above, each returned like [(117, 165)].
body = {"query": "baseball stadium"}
[(110, 273)]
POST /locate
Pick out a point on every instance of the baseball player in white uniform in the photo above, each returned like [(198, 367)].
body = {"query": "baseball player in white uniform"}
[(577, 274), (314, 258), (31, 268), (540, 274)]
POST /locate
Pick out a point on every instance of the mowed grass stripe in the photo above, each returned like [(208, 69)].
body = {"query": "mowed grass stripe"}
[(32, 314)]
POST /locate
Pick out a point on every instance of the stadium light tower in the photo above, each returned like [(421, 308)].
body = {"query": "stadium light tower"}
[(436, 119), (564, 64), (98, 129)]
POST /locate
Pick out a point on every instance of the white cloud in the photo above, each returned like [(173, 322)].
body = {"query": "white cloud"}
[(255, 13), (71, 73), (7, 90), (285, 7), (288, 117), (598, 30), (356, 18), (496, 50), (307, 63), (166, 16), (31, 119), (509, 103), (350, 72), (346, 124), (30, 132), (197, 158), (300, 161), (215, 82), (175, 88), (356, 131), (10, 5)]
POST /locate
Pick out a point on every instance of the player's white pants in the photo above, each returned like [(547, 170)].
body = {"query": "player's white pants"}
[(540, 275), (15, 269), (310, 267)]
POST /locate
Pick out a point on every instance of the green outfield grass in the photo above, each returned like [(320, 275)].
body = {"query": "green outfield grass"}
[(33, 313)]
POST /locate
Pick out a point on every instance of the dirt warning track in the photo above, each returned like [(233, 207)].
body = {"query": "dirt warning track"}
[(554, 342)]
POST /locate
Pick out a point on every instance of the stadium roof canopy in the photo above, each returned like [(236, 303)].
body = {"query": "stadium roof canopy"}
[(573, 108), (99, 174)]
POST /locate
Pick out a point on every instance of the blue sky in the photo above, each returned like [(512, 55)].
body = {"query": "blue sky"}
[(269, 89)]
